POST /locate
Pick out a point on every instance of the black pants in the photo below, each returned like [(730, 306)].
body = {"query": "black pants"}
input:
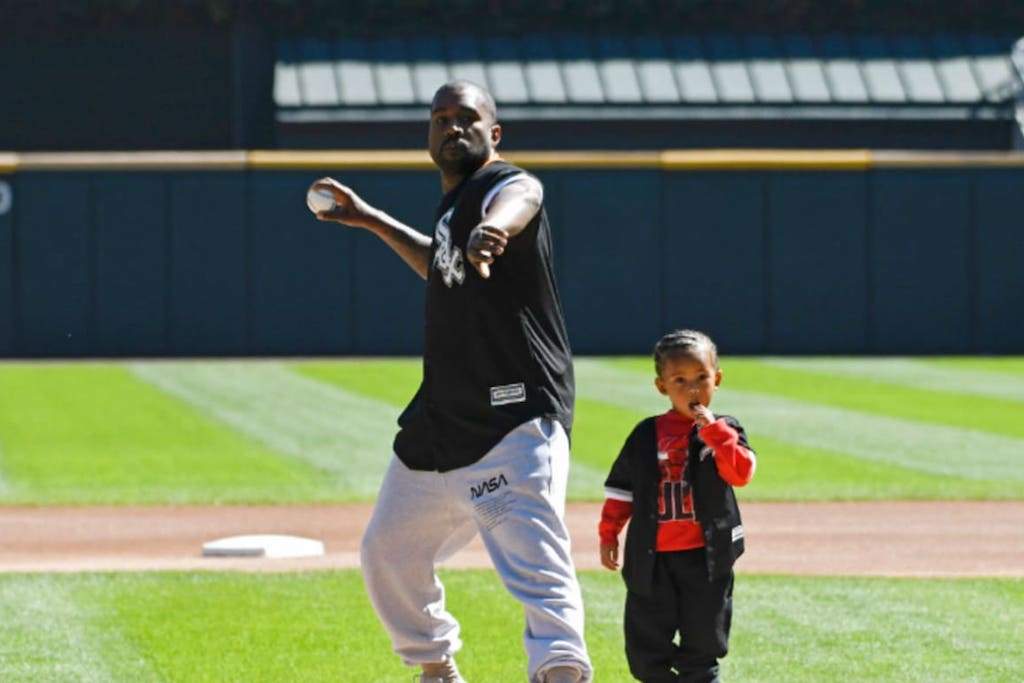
[(682, 600)]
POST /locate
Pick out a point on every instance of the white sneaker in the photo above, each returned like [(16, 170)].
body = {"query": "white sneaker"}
[(441, 672), (563, 674)]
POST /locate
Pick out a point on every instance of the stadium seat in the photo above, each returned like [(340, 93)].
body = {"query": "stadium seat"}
[(354, 70), (767, 71), (678, 75)]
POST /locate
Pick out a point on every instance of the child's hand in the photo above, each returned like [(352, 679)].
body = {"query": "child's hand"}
[(610, 555), (702, 416)]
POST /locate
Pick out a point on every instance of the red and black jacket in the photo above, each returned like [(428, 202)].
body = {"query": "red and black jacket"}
[(714, 502)]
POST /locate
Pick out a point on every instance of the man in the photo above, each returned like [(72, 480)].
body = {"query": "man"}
[(483, 446)]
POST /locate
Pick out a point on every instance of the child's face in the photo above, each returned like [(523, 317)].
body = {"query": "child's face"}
[(688, 380)]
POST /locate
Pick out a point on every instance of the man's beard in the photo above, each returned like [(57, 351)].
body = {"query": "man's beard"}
[(466, 163)]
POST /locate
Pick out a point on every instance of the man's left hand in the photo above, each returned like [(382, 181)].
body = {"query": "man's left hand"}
[(484, 244)]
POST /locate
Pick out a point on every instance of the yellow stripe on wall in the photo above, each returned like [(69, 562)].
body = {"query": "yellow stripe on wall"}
[(8, 162), (132, 161), (585, 159), (396, 159), (594, 159), (766, 159), (419, 160)]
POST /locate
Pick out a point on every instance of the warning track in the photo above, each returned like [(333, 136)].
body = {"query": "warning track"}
[(914, 539)]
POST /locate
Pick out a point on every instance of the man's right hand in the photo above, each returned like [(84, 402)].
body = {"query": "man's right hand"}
[(350, 208), (610, 555)]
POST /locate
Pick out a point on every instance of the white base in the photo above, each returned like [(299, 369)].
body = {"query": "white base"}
[(264, 545)]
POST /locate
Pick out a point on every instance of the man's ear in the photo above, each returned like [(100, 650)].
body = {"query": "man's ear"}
[(661, 386), (496, 134)]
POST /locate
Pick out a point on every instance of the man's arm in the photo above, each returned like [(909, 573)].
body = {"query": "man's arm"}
[(411, 245), (506, 215)]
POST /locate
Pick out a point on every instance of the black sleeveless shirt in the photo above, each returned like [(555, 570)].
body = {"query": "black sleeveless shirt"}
[(496, 350)]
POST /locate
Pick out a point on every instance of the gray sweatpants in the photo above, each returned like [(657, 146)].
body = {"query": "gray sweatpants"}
[(515, 498)]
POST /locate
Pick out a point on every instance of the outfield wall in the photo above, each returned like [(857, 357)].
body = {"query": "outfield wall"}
[(166, 254)]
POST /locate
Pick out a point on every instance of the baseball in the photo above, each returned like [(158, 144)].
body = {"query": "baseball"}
[(319, 200)]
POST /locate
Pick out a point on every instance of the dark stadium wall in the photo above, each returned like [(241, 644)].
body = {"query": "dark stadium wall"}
[(6, 266), (212, 263), (130, 88), (118, 90)]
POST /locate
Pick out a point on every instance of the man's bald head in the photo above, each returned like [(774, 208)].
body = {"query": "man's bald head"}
[(464, 131), (483, 100)]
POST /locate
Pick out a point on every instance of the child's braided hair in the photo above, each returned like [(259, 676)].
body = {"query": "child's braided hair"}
[(684, 343)]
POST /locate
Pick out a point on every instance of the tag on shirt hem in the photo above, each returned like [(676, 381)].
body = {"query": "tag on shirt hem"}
[(508, 393)]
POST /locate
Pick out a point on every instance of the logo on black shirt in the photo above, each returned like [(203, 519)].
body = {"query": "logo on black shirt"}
[(447, 257), (674, 500)]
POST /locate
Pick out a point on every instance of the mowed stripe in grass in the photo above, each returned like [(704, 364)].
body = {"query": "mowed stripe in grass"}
[(395, 381), (267, 432), (392, 381), (4, 486), (832, 629), (932, 448), (874, 394), (786, 470), (1001, 364), (46, 634), (320, 626), (916, 374), (344, 436), (92, 433)]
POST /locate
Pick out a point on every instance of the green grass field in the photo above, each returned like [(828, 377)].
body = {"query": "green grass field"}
[(231, 431), (287, 432), (214, 627)]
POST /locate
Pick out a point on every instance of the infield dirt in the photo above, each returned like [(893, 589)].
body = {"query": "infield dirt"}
[(914, 539)]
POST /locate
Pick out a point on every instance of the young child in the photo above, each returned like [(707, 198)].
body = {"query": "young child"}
[(674, 477)]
